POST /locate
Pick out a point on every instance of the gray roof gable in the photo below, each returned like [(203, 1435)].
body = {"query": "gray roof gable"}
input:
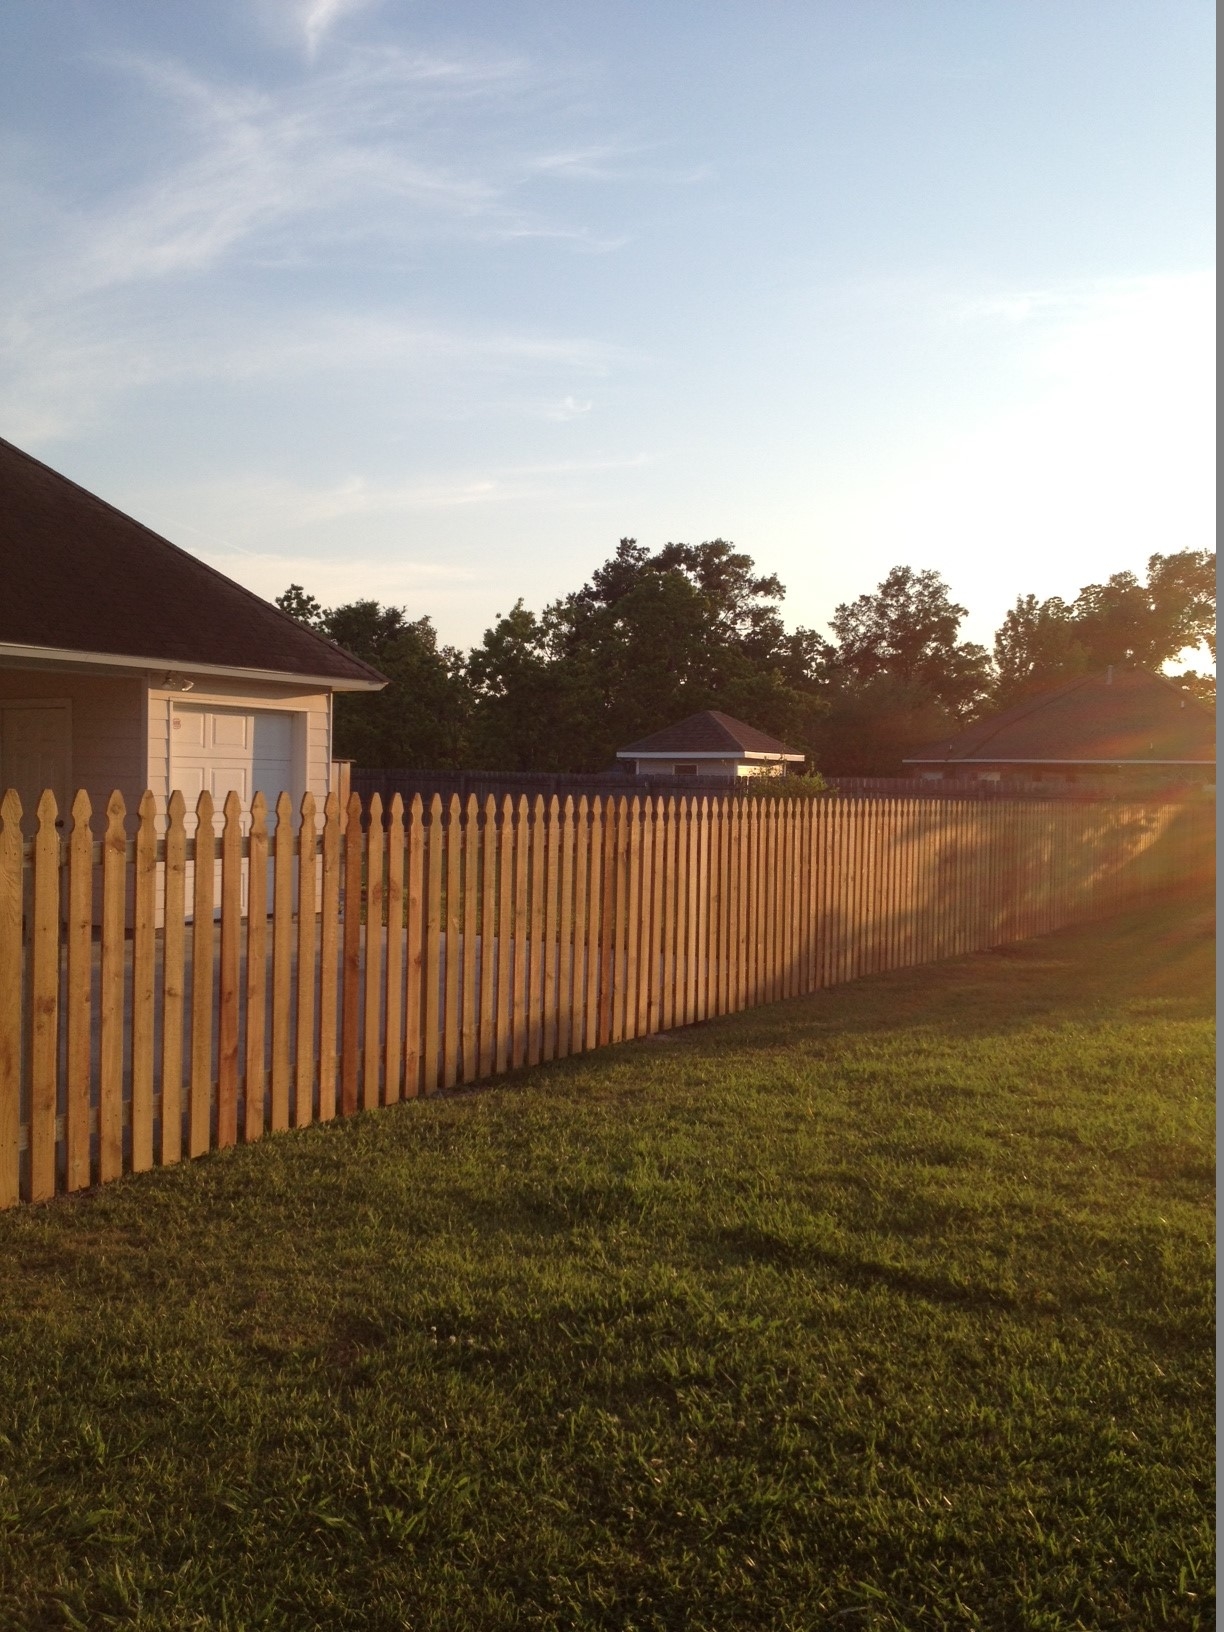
[(77, 574), (709, 733)]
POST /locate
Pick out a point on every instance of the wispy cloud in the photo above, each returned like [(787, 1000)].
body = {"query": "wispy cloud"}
[(362, 162), (319, 17)]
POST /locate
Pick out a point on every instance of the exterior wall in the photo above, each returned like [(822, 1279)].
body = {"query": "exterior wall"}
[(120, 726), (312, 738), (107, 727)]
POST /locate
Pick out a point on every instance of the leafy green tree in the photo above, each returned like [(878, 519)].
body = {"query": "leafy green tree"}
[(896, 675), (420, 720), (907, 631), (651, 638), (1119, 621)]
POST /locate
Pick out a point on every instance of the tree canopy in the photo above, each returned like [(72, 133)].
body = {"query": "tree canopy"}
[(652, 637)]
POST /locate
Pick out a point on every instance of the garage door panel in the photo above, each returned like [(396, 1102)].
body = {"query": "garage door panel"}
[(230, 732)]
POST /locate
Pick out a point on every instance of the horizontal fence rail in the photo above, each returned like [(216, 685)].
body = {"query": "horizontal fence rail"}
[(612, 784), (206, 978)]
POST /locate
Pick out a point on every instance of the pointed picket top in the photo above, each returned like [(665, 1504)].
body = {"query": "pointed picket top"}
[(568, 807), (10, 810), (176, 807), (232, 808), (46, 810), (146, 809), (435, 810), (376, 811), (284, 810), (490, 812), (331, 808), (472, 813), (416, 810), (204, 806), (308, 813), (454, 811), (259, 815), (82, 809), (584, 809), (507, 810), (116, 810), (353, 810), (396, 807)]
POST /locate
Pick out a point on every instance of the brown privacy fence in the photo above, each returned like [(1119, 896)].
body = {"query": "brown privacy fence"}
[(320, 963)]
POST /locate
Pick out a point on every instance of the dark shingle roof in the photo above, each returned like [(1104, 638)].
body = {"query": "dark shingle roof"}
[(77, 574), (708, 733), (1115, 716)]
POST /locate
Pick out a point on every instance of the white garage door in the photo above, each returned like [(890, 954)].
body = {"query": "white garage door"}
[(231, 749)]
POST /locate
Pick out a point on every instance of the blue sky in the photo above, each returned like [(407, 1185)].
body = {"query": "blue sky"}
[(435, 302)]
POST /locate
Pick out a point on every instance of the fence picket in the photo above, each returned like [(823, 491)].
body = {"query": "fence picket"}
[(144, 976), (199, 1090), (536, 889), (471, 903), (503, 1050), (44, 1001), (254, 1070), (454, 926), (329, 953), (305, 1052), (486, 1021), (582, 869), (352, 843), (551, 949), (372, 973), (566, 943), (431, 1031), (227, 973), (78, 996), (414, 941), (11, 892), (174, 981), (282, 957), (393, 991)]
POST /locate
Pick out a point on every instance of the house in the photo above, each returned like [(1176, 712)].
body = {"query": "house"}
[(1122, 728), (709, 744), (126, 663)]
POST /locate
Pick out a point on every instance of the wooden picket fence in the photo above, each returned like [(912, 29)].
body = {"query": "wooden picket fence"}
[(321, 962)]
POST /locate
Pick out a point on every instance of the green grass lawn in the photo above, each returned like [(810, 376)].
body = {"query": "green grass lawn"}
[(886, 1308)]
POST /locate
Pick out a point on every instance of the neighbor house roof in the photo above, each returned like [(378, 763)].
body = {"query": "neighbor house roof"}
[(1121, 716), (78, 578), (709, 735)]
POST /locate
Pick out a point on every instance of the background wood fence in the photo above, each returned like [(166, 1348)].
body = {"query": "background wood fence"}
[(329, 961)]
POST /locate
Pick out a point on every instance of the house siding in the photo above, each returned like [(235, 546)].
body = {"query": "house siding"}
[(107, 725)]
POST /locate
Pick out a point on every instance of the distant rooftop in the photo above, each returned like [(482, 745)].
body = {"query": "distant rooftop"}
[(709, 733), (1121, 716)]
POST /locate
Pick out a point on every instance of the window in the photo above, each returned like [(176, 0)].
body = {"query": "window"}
[(686, 770)]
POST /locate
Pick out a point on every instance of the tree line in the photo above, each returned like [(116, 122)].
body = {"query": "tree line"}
[(657, 636)]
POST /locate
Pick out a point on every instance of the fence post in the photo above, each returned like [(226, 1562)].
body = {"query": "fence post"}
[(11, 889)]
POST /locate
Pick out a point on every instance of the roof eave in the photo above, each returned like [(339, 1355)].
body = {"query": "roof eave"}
[(703, 753), (67, 656)]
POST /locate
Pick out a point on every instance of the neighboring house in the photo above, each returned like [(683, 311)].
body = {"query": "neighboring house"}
[(1122, 728), (709, 745), (126, 663)]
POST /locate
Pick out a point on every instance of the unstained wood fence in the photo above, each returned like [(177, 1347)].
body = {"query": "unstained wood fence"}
[(163, 994)]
